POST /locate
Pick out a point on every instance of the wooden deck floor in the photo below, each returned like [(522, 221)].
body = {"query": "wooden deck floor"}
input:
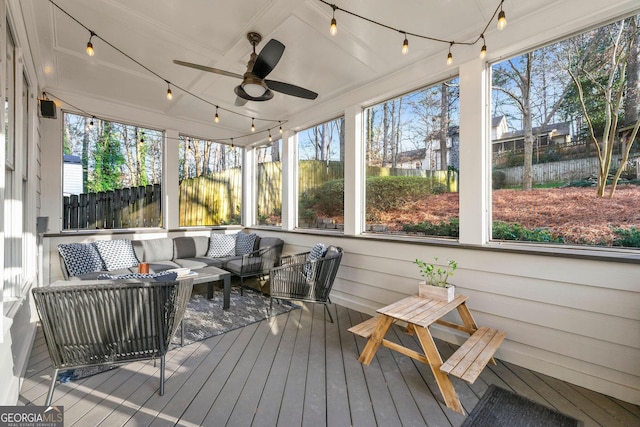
[(297, 370)]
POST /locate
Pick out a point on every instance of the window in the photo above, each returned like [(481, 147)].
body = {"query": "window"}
[(412, 154), (210, 183), (321, 176), (269, 180), (112, 174), (565, 163)]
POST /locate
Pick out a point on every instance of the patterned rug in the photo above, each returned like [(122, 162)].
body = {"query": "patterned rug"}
[(204, 319)]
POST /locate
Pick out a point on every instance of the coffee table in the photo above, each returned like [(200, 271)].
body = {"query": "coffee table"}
[(209, 275)]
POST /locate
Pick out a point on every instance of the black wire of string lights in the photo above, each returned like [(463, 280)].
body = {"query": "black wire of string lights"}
[(501, 24), (91, 52)]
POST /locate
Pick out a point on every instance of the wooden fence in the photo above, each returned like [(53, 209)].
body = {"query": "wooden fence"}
[(211, 200), (125, 208), (563, 171)]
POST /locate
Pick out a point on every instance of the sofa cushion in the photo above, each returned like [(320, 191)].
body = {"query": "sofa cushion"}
[(245, 243), (199, 262), (317, 252), (157, 267), (117, 253), (81, 258), (221, 245), (190, 247), (252, 264), (152, 250)]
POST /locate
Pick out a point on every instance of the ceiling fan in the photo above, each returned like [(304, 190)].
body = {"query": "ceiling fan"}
[(254, 86)]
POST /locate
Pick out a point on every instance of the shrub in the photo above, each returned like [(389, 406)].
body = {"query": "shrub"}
[(627, 237), (498, 179), (444, 229), (507, 231)]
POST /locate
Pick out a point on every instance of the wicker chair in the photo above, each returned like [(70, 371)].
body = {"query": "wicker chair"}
[(98, 323), (302, 280), (258, 262)]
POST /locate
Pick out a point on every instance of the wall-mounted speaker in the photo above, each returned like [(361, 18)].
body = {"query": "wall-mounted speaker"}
[(48, 109)]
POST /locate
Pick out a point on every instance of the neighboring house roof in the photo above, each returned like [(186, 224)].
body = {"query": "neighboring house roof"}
[(555, 129)]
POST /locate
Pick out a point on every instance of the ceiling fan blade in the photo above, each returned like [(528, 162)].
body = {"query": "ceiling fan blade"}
[(268, 58), (209, 69), (289, 89)]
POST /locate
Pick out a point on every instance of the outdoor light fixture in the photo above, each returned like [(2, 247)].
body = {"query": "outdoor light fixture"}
[(253, 127), (90, 50), (280, 129), (333, 29), (450, 56), (270, 137), (405, 45), (216, 118), (169, 93), (91, 123)]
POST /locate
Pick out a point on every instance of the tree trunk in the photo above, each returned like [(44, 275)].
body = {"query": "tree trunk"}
[(632, 100), (385, 133), (444, 125), (527, 120)]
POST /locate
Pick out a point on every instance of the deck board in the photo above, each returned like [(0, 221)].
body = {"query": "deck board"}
[(298, 369)]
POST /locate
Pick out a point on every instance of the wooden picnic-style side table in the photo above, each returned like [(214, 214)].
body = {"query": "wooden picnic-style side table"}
[(419, 313)]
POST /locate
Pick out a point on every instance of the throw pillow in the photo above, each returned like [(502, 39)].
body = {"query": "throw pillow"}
[(117, 254), (221, 245), (245, 242), (164, 276), (317, 252), (80, 258)]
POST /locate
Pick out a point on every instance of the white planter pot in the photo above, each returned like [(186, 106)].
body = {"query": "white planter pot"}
[(435, 292)]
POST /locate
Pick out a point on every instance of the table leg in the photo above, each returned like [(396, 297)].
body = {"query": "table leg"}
[(375, 339), (435, 361), (227, 292), (210, 290)]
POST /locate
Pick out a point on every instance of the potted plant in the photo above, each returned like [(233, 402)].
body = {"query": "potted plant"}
[(435, 284)]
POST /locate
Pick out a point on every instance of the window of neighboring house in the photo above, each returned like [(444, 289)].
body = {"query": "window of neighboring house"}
[(565, 163), (321, 176), (269, 181), (112, 174), (412, 155), (210, 183)]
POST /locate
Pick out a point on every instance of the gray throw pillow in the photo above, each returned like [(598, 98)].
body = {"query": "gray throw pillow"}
[(221, 245), (244, 243)]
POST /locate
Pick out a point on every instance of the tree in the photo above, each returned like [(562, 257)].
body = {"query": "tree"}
[(108, 158), (605, 75)]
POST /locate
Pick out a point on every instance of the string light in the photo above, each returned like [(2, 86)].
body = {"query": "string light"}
[(270, 137), (502, 18), (483, 51), (169, 93), (405, 45), (232, 145), (216, 118), (90, 50), (280, 129), (502, 22), (333, 29), (91, 123), (253, 126)]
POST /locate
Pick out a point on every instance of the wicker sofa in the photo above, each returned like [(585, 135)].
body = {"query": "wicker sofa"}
[(239, 253)]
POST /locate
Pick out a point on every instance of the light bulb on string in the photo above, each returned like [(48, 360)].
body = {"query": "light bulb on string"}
[(169, 93), (333, 29), (91, 123), (405, 45), (483, 51), (253, 126), (280, 129), (502, 19), (450, 56), (216, 118), (270, 137), (232, 145), (90, 50)]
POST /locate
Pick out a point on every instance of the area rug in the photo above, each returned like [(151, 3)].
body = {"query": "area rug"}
[(501, 408), (205, 318)]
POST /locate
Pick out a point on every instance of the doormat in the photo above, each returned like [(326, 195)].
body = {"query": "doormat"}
[(502, 408)]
